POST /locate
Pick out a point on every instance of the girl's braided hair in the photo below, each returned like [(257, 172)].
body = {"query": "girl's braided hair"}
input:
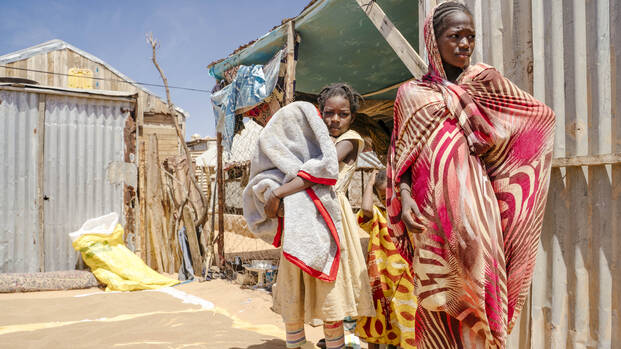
[(443, 11), (340, 89)]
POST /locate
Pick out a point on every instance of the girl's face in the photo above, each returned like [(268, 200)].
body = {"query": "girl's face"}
[(337, 115), (456, 42), (380, 191)]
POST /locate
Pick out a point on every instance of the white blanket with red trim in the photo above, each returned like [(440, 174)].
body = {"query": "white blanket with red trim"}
[(295, 142)]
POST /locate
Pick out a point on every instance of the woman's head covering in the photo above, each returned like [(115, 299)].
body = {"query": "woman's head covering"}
[(433, 53), (436, 69)]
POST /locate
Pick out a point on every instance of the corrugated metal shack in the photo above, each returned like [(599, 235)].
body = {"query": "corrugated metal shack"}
[(67, 156), (565, 52), (59, 64), (72, 139)]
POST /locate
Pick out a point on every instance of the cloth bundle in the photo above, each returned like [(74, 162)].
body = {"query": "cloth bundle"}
[(296, 142)]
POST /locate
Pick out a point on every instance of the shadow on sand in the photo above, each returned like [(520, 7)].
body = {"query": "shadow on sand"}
[(267, 344)]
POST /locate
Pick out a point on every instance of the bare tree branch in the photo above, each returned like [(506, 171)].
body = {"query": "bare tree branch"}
[(171, 108), (177, 216)]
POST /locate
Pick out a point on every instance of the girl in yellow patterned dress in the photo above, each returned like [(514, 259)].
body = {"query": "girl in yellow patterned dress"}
[(392, 284)]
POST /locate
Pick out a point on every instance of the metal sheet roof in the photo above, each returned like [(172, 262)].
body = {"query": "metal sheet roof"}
[(60, 90), (57, 44)]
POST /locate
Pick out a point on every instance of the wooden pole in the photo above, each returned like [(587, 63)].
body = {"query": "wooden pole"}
[(290, 76), (141, 240), (221, 202), (40, 181), (193, 243), (210, 238), (156, 216), (588, 160), (393, 36), (140, 194)]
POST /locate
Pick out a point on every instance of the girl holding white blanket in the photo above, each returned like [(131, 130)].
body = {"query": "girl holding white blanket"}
[(306, 168)]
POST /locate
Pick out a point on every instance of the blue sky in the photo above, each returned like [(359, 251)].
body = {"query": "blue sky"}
[(192, 34)]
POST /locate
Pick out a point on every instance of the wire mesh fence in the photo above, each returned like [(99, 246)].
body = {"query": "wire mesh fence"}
[(238, 240)]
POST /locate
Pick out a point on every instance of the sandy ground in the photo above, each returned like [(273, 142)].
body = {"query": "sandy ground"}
[(213, 314)]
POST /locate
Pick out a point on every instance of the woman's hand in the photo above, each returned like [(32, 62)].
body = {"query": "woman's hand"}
[(272, 205), (408, 212)]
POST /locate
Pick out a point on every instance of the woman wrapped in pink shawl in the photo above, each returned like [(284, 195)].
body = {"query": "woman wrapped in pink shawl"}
[(468, 176)]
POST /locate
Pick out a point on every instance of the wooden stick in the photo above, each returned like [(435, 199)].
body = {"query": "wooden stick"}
[(171, 109), (212, 231), (393, 36), (290, 75), (155, 212), (173, 223), (178, 216), (142, 204), (221, 202), (195, 250), (139, 221)]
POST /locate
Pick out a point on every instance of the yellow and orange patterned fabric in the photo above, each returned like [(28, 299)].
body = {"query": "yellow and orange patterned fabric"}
[(392, 287)]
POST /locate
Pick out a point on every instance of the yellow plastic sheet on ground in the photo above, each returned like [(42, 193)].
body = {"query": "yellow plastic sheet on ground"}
[(100, 241)]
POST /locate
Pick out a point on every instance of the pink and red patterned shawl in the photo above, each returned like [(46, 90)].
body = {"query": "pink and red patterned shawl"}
[(479, 152)]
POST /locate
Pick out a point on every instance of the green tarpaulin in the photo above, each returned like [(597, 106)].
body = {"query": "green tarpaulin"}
[(338, 43)]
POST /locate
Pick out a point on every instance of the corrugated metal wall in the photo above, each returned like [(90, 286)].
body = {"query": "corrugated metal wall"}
[(566, 53), (82, 137), (19, 222)]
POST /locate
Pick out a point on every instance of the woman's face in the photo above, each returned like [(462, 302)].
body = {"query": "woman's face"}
[(456, 42), (337, 115)]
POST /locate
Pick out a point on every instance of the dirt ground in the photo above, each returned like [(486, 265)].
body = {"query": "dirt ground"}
[(213, 314)]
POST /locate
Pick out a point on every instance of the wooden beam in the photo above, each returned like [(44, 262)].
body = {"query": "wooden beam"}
[(290, 75), (141, 235), (393, 36), (221, 202), (140, 247), (424, 6), (589, 160), (40, 181), (155, 210), (190, 231)]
